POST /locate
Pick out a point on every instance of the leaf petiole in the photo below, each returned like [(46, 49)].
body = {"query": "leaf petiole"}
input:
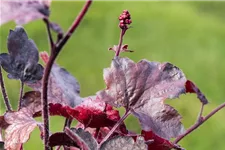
[(127, 113), (5, 96), (21, 94)]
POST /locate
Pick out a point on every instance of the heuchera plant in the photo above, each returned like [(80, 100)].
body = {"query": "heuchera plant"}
[(141, 88)]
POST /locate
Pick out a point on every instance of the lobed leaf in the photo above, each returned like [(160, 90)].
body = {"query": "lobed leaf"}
[(21, 124), (22, 60), (23, 11), (141, 88), (124, 143)]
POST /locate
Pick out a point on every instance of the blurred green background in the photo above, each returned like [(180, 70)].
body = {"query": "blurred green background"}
[(190, 35)]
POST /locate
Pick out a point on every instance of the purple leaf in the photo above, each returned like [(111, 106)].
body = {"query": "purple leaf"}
[(142, 88), (61, 138), (22, 60), (83, 138), (23, 11), (32, 101), (21, 124), (63, 87), (3, 123), (124, 142)]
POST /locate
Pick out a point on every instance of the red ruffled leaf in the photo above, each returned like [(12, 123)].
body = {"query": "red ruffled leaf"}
[(192, 88), (23, 11), (141, 88), (92, 113), (158, 142)]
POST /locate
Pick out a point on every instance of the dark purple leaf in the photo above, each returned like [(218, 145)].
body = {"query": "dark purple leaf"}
[(61, 138), (22, 60), (124, 142), (142, 88), (63, 88), (21, 124), (83, 138), (1, 145), (192, 88), (3, 123), (23, 11)]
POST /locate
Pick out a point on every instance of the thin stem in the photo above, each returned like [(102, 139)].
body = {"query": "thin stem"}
[(73, 136), (97, 131), (21, 94), (74, 25), (54, 53), (123, 31), (5, 96), (67, 123), (59, 37), (45, 99), (127, 113), (49, 33), (58, 148), (198, 123), (200, 116)]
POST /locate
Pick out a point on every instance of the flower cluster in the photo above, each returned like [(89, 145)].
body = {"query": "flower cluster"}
[(125, 19)]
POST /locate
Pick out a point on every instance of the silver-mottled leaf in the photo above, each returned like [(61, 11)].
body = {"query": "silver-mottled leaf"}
[(20, 128), (124, 143), (23, 11), (142, 87)]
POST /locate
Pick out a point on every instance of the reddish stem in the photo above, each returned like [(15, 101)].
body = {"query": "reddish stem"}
[(123, 31), (45, 99), (4, 94), (54, 53), (200, 115), (127, 113), (49, 33), (21, 94), (198, 123)]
